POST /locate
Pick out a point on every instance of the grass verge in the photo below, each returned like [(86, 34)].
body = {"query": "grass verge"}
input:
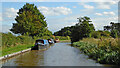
[(14, 49), (65, 40)]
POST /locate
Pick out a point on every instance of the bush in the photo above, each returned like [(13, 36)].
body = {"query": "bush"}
[(105, 50), (95, 34), (62, 37), (8, 39), (98, 34)]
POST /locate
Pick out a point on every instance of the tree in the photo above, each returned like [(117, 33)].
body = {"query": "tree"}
[(82, 29), (29, 20), (114, 28), (66, 31)]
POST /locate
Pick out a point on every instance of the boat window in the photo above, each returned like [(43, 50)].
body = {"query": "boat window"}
[(41, 41)]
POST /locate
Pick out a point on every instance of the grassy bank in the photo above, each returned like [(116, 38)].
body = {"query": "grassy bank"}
[(65, 40), (104, 50), (14, 49)]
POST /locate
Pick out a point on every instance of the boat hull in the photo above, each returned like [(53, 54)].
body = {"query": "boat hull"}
[(39, 47)]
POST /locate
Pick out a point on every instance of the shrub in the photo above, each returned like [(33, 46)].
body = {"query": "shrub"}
[(104, 50), (8, 39), (95, 34), (62, 37)]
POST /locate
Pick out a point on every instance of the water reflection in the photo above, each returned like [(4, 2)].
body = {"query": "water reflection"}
[(30, 59), (61, 54)]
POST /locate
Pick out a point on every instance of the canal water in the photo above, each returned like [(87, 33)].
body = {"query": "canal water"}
[(59, 54)]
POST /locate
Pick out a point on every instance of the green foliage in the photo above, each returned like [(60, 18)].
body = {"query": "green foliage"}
[(62, 37), (31, 21), (9, 40), (14, 49), (95, 34), (66, 31), (114, 33), (104, 51), (114, 28), (82, 29), (98, 34)]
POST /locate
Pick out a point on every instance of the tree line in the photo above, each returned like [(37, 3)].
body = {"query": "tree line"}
[(84, 28)]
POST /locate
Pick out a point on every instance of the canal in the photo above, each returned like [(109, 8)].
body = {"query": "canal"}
[(59, 54)]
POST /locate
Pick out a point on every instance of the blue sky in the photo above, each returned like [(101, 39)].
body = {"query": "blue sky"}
[(62, 14)]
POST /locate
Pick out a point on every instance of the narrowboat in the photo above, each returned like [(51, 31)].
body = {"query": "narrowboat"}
[(50, 41), (40, 44), (56, 40)]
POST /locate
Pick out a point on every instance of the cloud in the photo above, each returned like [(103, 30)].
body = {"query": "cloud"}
[(109, 13), (105, 13), (113, 19), (113, 2), (11, 12), (55, 11), (86, 6), (0, 16), (5, 28), (102, 5), (105, 5), (99, 22), (99, 14)]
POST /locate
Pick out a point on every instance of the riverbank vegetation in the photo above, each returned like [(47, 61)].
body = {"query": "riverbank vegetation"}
[(103, 50)]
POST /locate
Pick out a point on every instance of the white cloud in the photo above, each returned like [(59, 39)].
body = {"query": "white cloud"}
[(105, 5), (109, 13), (86, 6), (113, 2), (99, 14), (99, 22), (0, 16), (113, 19), (105, 13), (53, 11), (5, 28), (11, 12)]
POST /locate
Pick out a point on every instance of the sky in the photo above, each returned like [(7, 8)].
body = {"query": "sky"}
[(62, 14)]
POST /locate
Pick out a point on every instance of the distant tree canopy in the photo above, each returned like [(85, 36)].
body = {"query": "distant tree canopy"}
[(30, 21), (114, 28), (82, 29), (100, 33), (66, 31)]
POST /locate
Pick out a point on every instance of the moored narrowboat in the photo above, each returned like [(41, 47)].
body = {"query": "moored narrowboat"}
[(50, 41), (56, 40), (40, 44)]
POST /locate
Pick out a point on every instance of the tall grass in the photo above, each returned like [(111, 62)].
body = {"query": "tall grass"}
[(10, 50), (12, 43), (9, 40), (103, 50)]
